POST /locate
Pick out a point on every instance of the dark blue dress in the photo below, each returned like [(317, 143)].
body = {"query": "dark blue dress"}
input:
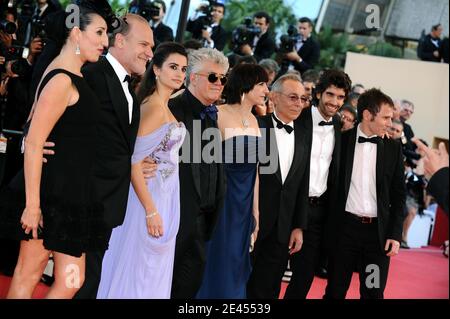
[(227, 253)]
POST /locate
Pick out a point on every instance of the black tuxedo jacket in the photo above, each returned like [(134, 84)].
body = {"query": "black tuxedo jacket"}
[(265, 47), (190, 180), (163, 33), (428, 48), (310, 53), (112, 168), (278, 202), (390, 186), (218, 33), (305, 119)]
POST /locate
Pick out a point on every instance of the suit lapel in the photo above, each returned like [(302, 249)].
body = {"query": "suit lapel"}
[(349, 156), (379, 165), (188, 122), (118, 99), (298, 151), (273, 145)]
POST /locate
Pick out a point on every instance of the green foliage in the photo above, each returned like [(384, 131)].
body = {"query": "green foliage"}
[(115, 4), (385, 49), (333, 48), (237, 10)]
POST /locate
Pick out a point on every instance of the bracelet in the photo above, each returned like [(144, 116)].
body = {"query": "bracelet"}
[(151, 215)]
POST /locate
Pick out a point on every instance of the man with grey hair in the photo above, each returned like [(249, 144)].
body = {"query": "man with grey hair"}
[(279, 192), (201, 180), (272, 68)]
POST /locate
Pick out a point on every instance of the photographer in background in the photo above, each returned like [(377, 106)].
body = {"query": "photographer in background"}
[(205, 25), (306, 51), (263, 45), (154, 12)]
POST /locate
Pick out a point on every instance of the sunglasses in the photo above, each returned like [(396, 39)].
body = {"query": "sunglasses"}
[(213, 77)]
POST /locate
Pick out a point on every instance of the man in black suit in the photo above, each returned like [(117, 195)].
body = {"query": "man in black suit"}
[(161, 32), (201, 176), (367, 227), (322, 126), (307, 50), (431, 45), (211, 33), (130, 50), (263, 45), (279, 211)]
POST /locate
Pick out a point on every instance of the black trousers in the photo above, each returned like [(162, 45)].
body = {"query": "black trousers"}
[(94, 260), (189, 263), (358, 246), (269, 260), (304, 262)]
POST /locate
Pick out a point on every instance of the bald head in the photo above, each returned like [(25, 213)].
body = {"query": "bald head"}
[(132, 43)]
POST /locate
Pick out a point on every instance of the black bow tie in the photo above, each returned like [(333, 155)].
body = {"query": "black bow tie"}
[(211, 111), (374, 140), (323, 123), (280, 125), (127, 79)]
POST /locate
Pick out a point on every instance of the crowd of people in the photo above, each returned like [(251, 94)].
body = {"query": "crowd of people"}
[(158, 170)]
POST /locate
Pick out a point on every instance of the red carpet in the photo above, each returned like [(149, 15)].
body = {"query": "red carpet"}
[(414, 274), (421, 273)]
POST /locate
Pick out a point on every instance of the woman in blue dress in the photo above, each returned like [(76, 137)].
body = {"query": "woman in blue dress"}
[(139, 261), (228, 264)]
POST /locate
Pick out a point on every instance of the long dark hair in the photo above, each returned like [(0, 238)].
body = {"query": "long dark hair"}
[(164, 50)]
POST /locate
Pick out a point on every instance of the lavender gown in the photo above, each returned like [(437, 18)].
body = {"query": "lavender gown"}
[(137, 265)]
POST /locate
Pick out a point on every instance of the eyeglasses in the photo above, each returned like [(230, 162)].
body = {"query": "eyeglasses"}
[(294, 98), (348, 119), (213, 77)]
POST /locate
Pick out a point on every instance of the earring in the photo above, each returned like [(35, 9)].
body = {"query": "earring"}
[(77, 50), (242, 98), (156, 77)]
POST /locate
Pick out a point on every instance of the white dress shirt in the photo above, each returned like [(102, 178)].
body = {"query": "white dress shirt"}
[(321, 154), (121, 74), (362, 195), (286, 147)]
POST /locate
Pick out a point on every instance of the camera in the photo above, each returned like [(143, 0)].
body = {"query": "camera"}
[(146, 9), (206, 19), (17, 54), (8, 27), (288, 41), (244, 34)]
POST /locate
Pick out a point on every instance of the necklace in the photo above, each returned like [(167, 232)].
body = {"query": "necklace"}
[(245, 123)]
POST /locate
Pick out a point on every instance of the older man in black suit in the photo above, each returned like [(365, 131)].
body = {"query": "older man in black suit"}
[(202, 184), (367, 227), (279, 210)]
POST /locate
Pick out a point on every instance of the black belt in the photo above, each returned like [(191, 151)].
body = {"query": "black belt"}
[(362, 219), (316, 201)]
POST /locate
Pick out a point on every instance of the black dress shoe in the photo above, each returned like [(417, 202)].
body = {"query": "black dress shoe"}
[(322, 272), (404, 245)]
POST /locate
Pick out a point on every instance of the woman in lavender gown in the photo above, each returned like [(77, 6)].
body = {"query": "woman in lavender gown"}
[(139, 261)]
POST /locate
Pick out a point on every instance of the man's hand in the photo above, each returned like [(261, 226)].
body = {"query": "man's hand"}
[(149, 168), (436, 53), (4, 86), (293, 56), (296, 241), (394, 247), (206, 35), (434, 159), (246, 49)]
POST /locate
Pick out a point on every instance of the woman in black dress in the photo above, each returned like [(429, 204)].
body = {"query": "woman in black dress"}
[(51, 207)]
